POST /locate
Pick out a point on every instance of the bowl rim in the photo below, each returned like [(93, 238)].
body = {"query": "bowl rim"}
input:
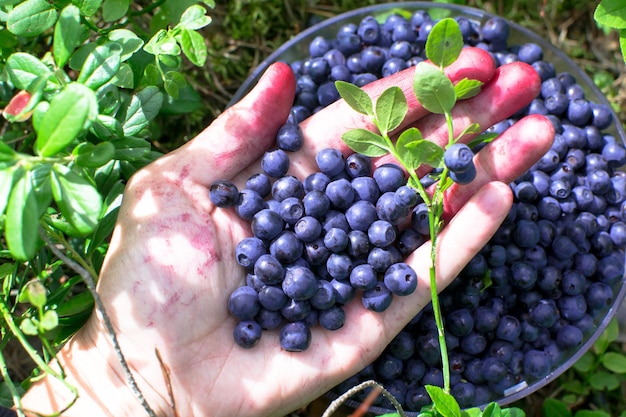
[(530, 36)]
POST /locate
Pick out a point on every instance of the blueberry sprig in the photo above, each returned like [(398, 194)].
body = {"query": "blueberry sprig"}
[(452, 163)]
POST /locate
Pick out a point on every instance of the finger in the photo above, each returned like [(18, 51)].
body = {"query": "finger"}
[(504, 159), (240, 135), (324, 129)]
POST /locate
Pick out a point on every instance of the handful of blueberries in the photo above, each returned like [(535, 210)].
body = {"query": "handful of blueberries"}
[(522, 306)]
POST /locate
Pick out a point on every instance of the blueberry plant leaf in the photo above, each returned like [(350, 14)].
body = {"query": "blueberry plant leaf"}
[(472, 412), (49, 320), (101, 65), (467, 88), (471, 129), (492, 410), (89, 155), (142, 108), (513, 412), (70, 112), (69, 33), (602, 380), (79, 201), (193, 46), (365, 142), (31, 18), (444, 43), (411, 158), (113, 10), (433, 89), (24, 68), (355, 97), (88, 7), (391, 108), (611, 13), (429, 152), (124, 78), (484, 138), (22, 219), (129, 41), (614, 362), (131, 149), (173, 82), (7, 178), (194, 18), (444, 403)]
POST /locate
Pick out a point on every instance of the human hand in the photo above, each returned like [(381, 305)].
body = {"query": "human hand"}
[(170, 268)]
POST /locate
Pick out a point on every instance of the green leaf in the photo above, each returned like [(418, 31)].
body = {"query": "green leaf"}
[(113, 10), (484, 138), (124, 77), (467, 88), (7, 39), (555, 408), (410, 158), (614, 362), (36, 293), (355, 97), (611, 13), (445, 403), (585, 363), (472, 412), (7, 178), (107, 128), (365, 142), (70, 112), (429, 152), (131, 149), (492, 410), (22, 219), (194, 18), (622, 43), (69, 33), (444, 43), (24, 68), (88, 7), (94, 156), (471, 129), (50, 320), (109, 100), (575, 386), (188, 101), (194, 46), (602, 380), (162, 43), (31, 17), (101, 65), (391, 108), (174, 81), (142, 108), (29, 327), (79, 202), (591, 413), (433, 89), (513, 412), (129, 41)]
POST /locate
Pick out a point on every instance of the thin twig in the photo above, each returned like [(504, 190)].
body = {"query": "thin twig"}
[(91, 285), (339, 401)]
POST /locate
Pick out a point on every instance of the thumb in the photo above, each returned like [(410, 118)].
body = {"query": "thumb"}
[(241, 134)]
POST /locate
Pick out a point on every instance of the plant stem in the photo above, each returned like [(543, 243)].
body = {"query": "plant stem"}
[(15, 395)]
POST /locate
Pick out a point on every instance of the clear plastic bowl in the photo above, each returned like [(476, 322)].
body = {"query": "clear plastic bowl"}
[(297, 49)]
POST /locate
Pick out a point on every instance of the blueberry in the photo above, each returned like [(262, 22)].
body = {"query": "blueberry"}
[(572, 307), (290, 137), (243, 303), (508, 328), (458, 157), (464, 393), (381, 233), (272, 298), (361, 215), (377, 298), (296, 310), (344, 292), (400, 279), (295, 337), (366, 188), (389, 177), (248, 251), (224, 193), (269, 270), (324, 296), (316, 204), (339, 266), (269, 319), (598, 296), (460, 322), (316, 181), (579, 112), (358, 165), (493, 369), (260, 183), (286, 247), (485, 319), (275, 163), (316, 253), (464, 177), (380, 259), (363, 277), (332, 318), (307, 229), (369, 30), (569, 336), (336, 239), (536, 363), (247, 333), (530, 52), (330, 161), (287, 186)]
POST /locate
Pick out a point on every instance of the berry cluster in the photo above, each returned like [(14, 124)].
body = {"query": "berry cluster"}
[(538, 290), (317, 242)]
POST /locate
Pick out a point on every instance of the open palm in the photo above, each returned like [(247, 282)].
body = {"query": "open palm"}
[(171, 265)]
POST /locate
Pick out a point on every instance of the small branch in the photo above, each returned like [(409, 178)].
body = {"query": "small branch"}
[(91, 285), (334, 406)]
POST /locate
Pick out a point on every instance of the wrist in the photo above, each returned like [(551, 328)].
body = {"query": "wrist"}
[(91, 367)]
